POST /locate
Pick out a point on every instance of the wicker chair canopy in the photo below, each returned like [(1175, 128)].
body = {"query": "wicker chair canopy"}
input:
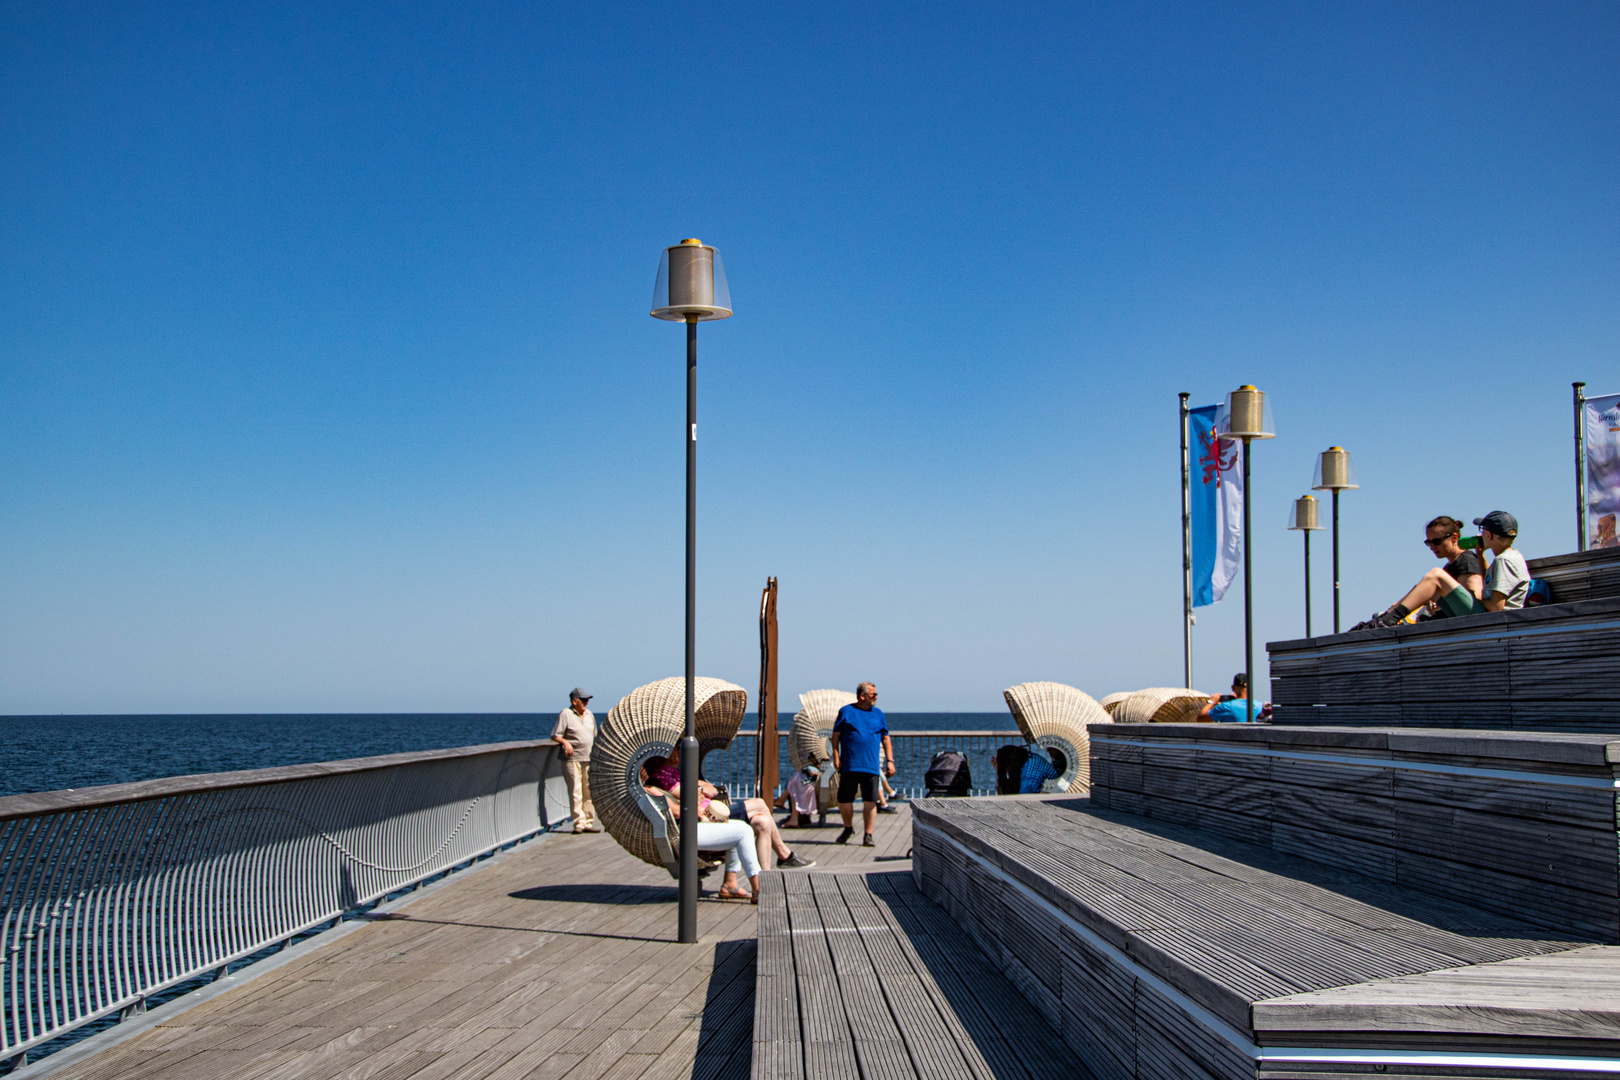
[(1161, 705), (1114, 699), (813, 723), (648, 722), (1054, 717)]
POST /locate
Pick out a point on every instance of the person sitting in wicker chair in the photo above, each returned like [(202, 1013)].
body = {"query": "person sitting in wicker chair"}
[(756, 812), (735, 838)]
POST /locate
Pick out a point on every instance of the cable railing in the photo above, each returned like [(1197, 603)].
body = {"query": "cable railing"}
[(111, 895), (734, 768)]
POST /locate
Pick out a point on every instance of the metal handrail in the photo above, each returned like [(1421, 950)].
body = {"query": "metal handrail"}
[(734, 767), (110, 895)]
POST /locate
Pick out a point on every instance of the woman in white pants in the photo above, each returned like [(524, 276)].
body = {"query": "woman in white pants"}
[(737, 838)]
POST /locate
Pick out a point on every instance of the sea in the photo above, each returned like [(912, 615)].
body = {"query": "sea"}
[(53, 753)]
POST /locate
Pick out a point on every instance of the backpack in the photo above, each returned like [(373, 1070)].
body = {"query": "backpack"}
[(1010, 768), (948, 774)]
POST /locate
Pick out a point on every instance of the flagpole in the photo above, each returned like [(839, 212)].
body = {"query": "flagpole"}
[(1186, 550), (1580, 465)]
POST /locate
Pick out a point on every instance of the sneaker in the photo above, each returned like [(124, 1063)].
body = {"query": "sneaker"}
[(843, 837), (793, 862), (868, 842), (887, 809)]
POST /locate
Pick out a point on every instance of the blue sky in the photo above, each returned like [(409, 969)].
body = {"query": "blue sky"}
[(327, 384)]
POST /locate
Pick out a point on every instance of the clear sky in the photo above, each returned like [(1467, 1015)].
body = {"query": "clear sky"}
[(327, 381)]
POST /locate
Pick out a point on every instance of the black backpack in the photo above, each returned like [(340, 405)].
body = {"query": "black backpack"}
[(948, 774), (1010, 761)]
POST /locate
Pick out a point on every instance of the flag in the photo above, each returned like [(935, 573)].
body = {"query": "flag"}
[(1601, 415), (1217, 505)]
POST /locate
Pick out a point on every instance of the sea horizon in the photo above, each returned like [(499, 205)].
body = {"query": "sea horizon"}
[(56, 752)]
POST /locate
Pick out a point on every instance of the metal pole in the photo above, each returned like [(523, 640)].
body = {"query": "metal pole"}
[(689, 745), (1307, 579), (1580, 466), (1335, 556), (1248, 594), (1186, 549)]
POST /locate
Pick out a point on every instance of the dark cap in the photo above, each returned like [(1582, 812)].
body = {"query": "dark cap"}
[(576, 692), (1499, 522), (1240, 679)]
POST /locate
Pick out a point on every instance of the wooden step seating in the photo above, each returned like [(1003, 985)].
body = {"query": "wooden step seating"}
[(1164, 951), (860, 978), (1519, 824), (1550, 668)]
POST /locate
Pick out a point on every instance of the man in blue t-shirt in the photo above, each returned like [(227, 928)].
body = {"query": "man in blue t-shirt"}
[(857, 735), (1234, 710)]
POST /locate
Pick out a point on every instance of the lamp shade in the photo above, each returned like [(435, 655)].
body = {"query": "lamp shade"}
[(1334, 471), (1248, 415), (691, 284), (1302, 515)]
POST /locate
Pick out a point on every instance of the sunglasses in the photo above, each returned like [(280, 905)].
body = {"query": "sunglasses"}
[(1437, 543)]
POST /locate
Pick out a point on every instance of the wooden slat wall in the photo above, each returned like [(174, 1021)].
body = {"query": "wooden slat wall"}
[(1540, 851), (1153, 946), (1553, 668)]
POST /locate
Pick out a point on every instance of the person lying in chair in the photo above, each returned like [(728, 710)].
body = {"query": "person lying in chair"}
[(756, 812), (1505, 587)]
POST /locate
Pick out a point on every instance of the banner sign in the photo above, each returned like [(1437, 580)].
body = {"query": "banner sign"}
[(1217, 505), (1601, 415)]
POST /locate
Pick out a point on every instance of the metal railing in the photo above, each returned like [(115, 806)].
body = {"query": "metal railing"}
[(110, 895), (734, 768)]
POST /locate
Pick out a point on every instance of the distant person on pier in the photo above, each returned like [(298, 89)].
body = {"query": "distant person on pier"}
[(1230, 708), (1506, 584), (574, 733), (858, 735)]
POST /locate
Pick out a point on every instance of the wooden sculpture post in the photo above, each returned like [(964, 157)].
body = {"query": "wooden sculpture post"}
[(765, 768)]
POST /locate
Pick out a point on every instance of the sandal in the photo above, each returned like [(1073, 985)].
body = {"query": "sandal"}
[(727, 893)]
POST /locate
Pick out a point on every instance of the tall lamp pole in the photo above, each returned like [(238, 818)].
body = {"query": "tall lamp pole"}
[(1335, 473), (1302, 518), (1249, 418), (691, 288)]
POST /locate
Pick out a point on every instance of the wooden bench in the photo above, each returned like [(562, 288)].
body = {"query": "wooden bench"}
[(1519, 824), (1549, 668), (860, 978), (1164, 951)]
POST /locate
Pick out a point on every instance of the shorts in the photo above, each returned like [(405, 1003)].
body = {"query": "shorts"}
[(1459, 602), (851, 782)]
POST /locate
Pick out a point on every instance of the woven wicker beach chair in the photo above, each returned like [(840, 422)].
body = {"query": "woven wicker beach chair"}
[(1054, 717), (808, 740), (1160, 705), (1114, 699), (648, 722)]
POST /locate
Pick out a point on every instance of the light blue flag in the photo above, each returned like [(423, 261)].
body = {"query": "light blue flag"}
[(1217, 505)]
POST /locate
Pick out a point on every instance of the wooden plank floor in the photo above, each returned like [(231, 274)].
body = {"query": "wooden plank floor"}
[(556, 963)]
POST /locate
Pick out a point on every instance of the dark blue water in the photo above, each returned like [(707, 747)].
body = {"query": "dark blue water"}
[(49, 753)]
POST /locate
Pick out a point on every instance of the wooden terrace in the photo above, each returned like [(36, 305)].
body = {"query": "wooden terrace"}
[(554, 960)]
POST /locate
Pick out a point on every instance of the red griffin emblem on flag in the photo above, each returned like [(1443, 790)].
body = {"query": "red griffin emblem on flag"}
[(1217, 456)]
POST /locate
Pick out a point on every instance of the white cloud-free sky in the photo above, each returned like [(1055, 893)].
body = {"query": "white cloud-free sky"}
[(327, 383)]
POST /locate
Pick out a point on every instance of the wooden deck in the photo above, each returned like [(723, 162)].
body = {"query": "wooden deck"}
[(556, 963)]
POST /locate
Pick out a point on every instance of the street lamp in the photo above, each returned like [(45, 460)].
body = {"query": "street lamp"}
[(1302, 518), (1248, 417), (691, 288), (1335, 473)]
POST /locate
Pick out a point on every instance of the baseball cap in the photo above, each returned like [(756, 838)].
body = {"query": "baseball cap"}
[(576, 692), (1240, 679), (1499, 522)]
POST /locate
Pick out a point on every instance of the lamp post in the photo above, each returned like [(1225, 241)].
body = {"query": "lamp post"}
[(1335, 473), (1302, 518), (1248, 418), (691, 288)]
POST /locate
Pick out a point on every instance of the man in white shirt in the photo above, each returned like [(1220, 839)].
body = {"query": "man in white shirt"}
[(574, 733)]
